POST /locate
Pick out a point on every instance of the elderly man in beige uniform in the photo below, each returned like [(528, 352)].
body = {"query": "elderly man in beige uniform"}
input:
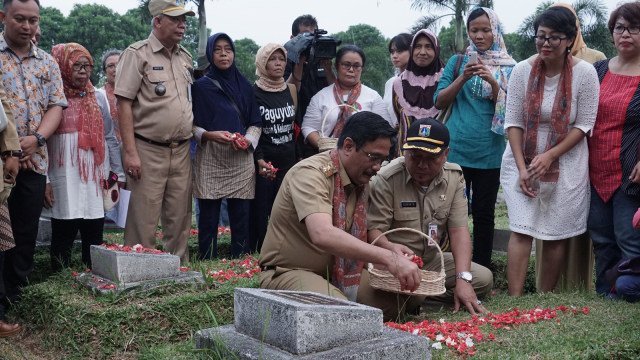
[(153, 88), (423, 192), (317, 238)]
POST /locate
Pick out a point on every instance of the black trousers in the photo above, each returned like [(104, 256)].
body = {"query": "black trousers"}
[(25, 206), (63, 233), (483, 185), (261, 205), (208, 227)]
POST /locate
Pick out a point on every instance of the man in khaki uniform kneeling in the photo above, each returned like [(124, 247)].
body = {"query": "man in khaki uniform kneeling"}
[(423, 192)]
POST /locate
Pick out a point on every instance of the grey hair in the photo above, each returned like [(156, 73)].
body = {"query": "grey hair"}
[(107, 55), (159, 16)]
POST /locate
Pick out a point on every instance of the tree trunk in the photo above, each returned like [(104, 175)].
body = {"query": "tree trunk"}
[(202, 40)]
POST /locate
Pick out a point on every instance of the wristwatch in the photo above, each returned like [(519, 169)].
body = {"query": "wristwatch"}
[(41, 139), (465, 275)]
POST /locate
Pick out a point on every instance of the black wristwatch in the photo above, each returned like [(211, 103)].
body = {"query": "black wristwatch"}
[(41, 139)]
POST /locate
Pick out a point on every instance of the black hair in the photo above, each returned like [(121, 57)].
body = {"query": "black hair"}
[(303, 20), (7, 3), (366, 126), (557, 18), (629, 11), (474, 15), (402, 42), (350, 48), (107, 54)]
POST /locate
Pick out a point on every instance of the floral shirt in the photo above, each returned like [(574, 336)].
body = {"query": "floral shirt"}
[(33, 85)]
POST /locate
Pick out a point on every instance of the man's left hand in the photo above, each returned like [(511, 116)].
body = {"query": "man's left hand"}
[(464, 294)]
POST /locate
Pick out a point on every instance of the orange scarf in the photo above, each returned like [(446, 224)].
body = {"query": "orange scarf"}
[(560, 114)]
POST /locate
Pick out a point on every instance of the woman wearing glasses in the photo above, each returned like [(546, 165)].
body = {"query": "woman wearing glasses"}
[(340, 100), (80, 159), (614, 155), (476, 86), (552, 104)]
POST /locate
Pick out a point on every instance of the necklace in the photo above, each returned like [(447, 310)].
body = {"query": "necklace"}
[(476, 88)]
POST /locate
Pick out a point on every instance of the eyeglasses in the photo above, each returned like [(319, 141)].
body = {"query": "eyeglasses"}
[(347, 66), (553, 41), (633, 29), (79, 67), (220, 50), (111, 66), (374, 159)]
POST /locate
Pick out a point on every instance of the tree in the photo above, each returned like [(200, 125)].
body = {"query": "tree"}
[(245, 58), (446, 36), (456, 8), (378, 67)]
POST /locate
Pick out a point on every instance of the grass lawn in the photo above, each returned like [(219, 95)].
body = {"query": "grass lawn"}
[(62, 320)]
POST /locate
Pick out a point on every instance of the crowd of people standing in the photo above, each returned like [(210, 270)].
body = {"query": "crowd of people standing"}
[(559, 135)]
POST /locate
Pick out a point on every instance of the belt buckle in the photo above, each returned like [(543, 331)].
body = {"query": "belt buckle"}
[(174, 144)]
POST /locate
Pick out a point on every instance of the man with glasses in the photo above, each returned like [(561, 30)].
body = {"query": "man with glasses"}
[(153, 88), (317, 236), (424, 192), (32, 80)]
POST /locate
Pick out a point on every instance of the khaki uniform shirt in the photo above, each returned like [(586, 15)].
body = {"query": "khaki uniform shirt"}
[(396, 201), (141, 68), (306, 189)]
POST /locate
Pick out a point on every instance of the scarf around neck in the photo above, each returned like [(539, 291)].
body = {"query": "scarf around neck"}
[(82, 115), (560, 114), (346, 272), (345, 111), (265, 82)]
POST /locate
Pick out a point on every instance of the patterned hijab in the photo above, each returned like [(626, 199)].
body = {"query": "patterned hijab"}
[(265, 82), (416, 85), (83, 115), (578, 43), (500, 63)]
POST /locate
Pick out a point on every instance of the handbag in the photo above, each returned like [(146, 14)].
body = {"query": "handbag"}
[(443, 116), (110, 192)]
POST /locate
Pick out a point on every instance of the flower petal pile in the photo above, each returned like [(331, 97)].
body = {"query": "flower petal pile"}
[(137, 248), (462, 336), (243, 268)]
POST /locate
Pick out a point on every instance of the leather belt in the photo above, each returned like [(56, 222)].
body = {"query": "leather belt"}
[(172, 145)]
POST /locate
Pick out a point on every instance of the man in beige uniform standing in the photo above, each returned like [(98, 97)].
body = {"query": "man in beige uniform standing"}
[(317, 231), (422, 191), (153, 88)]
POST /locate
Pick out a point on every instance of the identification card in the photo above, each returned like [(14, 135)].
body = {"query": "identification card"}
[(189, 92), (433, 233)]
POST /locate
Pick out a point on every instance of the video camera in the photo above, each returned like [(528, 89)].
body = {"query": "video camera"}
[(316, 46)]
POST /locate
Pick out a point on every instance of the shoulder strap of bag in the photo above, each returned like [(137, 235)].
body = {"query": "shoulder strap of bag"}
[(294, 95), (456, 71), (230, 100)]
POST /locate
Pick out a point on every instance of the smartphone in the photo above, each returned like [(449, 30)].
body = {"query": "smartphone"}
[(473, 57)]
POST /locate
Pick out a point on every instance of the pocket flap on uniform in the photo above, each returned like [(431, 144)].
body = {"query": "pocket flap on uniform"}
[(406, 214)]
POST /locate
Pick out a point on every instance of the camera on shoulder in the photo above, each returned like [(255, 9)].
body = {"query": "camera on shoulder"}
[(315, 46)]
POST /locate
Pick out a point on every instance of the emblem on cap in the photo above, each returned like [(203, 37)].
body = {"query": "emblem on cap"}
[(425, 130), (180, 3)]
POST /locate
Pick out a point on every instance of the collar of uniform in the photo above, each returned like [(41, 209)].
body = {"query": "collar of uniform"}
[(156, 45), (439, 178), (346, 181), (4, 47)]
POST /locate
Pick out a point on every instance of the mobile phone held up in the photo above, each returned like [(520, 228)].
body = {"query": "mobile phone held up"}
[(473, 57)]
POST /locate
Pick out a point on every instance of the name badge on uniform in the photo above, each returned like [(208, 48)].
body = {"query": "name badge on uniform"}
[(433, 233), (408, 204), (189, 92), (158, 68)]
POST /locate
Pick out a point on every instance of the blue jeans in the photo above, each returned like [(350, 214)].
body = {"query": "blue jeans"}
[(614, 238), (628, 287), (208, 227)]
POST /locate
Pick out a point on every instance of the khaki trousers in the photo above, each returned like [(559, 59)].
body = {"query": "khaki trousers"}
[(298, 280), (578, 267), (393, 305), (163, 193)]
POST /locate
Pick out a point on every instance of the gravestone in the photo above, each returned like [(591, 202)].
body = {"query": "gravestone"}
[(119, 271), (274, 324)]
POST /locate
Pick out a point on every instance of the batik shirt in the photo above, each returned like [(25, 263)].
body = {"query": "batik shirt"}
[(33, 85)]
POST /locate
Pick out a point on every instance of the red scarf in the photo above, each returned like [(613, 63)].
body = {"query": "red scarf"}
[(113, 109), (560, 114), (346, 272), (345, 111), (83, 115)]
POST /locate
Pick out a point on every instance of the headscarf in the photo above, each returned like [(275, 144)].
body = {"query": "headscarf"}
[(265, 82), (83, 115), (211, 108), (500, 63), (578, 43), (416, 85)]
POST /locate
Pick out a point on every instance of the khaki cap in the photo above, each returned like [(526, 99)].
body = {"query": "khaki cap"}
[(169, 7)]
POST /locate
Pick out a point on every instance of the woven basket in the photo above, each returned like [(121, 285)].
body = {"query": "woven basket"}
[(328, 143), (431, 283)]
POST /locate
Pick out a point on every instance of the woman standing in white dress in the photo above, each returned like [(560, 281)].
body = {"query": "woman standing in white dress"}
[(551, 105)]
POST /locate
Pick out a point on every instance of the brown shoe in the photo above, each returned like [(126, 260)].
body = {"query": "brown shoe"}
[(9, 329)]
